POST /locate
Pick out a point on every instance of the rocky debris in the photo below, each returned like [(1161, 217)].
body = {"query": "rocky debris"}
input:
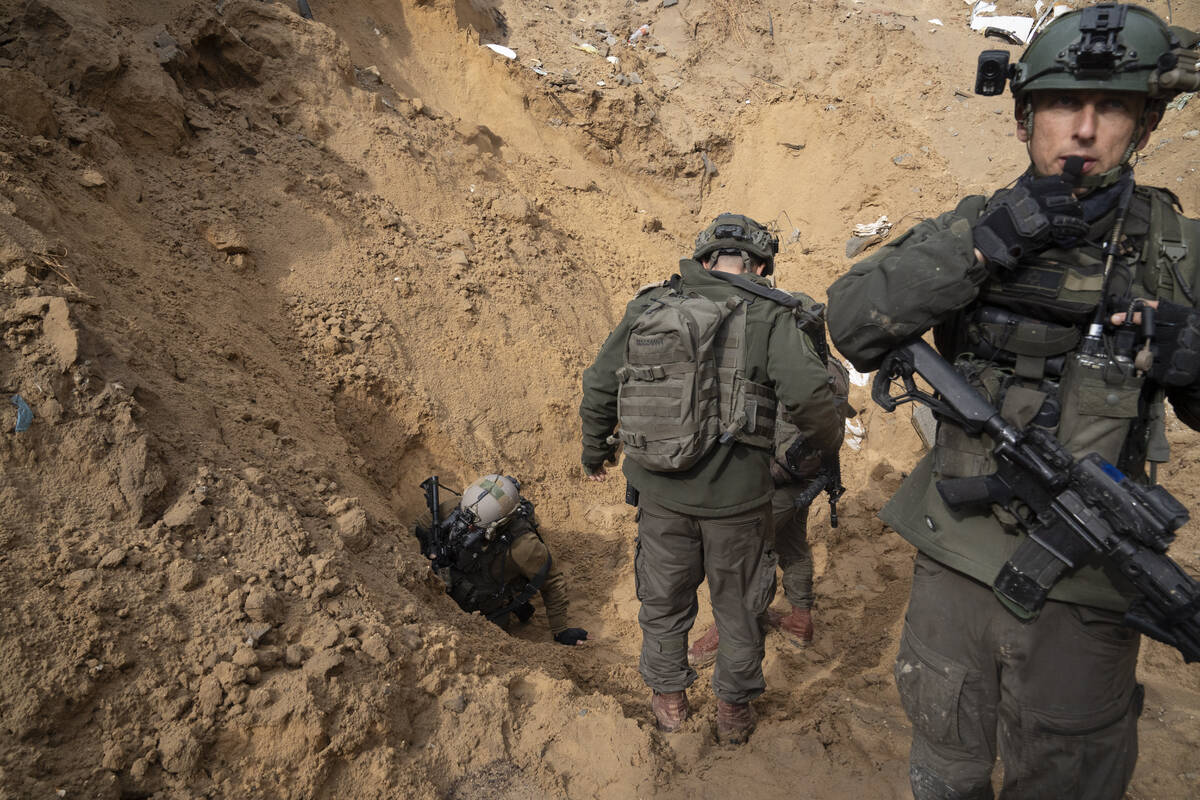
[(376, 648), (323, 664), (183, 576), (227, 239), (515, 208), (17, 277), (354, 530), (209, 696), (113, 558), (261, 605), (178, 749), (294, 655), (92, 179), (56, 330)]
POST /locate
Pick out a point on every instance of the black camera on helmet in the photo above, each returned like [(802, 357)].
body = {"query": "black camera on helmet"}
[(991, 73)]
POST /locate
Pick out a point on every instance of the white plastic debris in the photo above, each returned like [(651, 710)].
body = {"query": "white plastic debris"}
[(587, 47), (879, 227), (855, 431), (639, 33), (1018, 26), (502, 50), (616, 62), (935, 21), (857, 378)]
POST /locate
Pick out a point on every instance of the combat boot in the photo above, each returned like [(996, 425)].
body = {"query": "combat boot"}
[(735, 722), (704, 650), (670, 710), (796, 627)]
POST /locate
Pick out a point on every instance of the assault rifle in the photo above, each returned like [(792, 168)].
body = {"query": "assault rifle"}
[(444, 539), (1071, 509), (829, 477)]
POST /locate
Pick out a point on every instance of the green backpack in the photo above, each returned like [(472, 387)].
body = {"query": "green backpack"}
[(683, 388)]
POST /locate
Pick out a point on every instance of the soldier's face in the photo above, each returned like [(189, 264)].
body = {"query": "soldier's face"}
[(1097, 126)]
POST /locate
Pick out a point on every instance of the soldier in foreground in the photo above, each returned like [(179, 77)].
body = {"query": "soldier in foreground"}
[(693, 374), (1025, 292), (488, 551)]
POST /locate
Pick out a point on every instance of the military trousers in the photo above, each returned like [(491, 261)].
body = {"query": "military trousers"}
[(1056, 697), (791, 544), (675, 552)]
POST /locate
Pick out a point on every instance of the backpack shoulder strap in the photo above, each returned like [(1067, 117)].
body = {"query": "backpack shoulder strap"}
[(670, 283), (742, 282), (1169, 245)]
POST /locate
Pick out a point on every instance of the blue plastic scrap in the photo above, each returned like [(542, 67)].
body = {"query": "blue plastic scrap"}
[(24, 414)]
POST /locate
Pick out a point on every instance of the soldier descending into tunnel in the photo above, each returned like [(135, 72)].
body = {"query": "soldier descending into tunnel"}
[(693, 374), (1027, 292), (491, 556)]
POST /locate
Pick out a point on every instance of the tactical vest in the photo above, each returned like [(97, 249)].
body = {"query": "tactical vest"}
[(1017, 345), (683, 386), (476, 579)]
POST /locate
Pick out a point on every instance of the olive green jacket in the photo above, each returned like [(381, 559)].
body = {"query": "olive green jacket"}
[(733, 477), (927, 279)]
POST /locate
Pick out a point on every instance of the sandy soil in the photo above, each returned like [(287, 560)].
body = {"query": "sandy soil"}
[(261, 275)]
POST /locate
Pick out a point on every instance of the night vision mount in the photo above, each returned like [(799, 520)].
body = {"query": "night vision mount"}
[(1098, 53)]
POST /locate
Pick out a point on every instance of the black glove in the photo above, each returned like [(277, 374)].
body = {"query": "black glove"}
[(1177, 334), (802, 461), (524, 611), (571, 636), (1028, 218)]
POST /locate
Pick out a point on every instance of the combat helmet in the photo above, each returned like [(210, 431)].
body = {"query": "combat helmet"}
[(737, 234), (491, 500), (1109, 47)]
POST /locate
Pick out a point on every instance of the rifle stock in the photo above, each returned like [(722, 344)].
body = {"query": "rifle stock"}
[(1072, 510)]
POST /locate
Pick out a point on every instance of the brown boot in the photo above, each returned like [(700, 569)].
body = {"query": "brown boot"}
[(796, 627), (735, 722), (704, 650), (670, 710)]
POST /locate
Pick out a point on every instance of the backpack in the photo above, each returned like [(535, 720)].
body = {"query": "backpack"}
[(683, 388)]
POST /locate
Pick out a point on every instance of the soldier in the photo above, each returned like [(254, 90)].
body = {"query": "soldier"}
[(1012, 286), (693, 373), (790, 504), (491, 556)]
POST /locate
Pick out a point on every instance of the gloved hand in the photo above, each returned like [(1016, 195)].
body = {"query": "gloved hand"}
[(1027, 219), (1177, 334), (571, 636), (803, 461), (524, 611)]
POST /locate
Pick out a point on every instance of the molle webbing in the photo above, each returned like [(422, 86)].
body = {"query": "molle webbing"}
[(1169, 250), (683, 386), (1027, 343)]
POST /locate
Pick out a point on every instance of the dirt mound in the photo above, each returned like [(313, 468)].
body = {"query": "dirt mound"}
[(260, 275)]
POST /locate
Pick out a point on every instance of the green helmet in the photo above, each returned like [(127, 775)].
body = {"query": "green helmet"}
[(737, 233), (1108, 47)]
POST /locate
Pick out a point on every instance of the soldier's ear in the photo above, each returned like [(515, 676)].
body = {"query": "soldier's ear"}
[(1022, 128), (1152, 119)]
